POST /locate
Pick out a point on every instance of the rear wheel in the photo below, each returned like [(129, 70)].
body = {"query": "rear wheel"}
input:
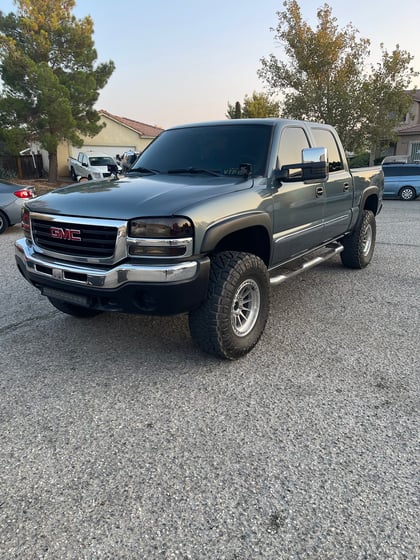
[(232, 319), (407, 193), (73, 309), (360, 245), (4, 222)]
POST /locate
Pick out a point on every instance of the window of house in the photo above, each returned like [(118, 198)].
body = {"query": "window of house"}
[(415, 151)]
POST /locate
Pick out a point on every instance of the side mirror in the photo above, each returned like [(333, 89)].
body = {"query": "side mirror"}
[(313, 168), (315, 164), (314, 155)]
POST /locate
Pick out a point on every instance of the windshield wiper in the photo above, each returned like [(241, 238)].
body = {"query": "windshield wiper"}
[(195, 170), (143, 170)]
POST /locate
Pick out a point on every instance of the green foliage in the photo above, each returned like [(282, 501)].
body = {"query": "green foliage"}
[(12, 140), (360, 160), (384, 99), (259, 105), (364, 159), (50, 81), (7, 174), (324, 78)]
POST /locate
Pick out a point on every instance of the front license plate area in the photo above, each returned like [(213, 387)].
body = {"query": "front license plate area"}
[(65, 296)]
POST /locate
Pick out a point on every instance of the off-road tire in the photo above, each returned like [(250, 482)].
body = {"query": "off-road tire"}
[(73, 309), (232, 319), (4, 222), (360, 245)]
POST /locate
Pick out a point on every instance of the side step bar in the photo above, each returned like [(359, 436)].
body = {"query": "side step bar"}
[(301, 265)]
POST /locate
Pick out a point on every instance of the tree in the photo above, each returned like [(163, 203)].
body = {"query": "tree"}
[(385, 100), (50, 82), (257, 106), (325, 77), (234, 111)]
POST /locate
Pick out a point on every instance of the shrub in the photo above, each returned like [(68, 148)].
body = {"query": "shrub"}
[(7, 174), (361, 160)]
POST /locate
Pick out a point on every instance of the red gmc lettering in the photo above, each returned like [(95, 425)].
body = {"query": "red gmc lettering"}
[(67, 234)]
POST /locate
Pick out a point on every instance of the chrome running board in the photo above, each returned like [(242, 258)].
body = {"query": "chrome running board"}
[(300, 265)]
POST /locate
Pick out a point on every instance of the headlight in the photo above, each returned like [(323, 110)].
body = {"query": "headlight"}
[(161, 228), (26, 223), (160, 237)]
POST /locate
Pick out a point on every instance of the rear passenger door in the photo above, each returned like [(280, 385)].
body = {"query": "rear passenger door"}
[(338, 189), (298, 207)]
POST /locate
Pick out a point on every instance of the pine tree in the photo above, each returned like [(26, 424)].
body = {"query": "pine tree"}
[(50, 77)]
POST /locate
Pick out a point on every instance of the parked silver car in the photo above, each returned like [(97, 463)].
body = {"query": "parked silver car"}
[(12, 198)]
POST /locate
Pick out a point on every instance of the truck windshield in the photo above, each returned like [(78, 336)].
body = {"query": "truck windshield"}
[(101, 161), (219, 149)]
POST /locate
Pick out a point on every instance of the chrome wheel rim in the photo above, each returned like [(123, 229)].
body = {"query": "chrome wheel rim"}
[(245, 307), (406, 194), (367, 240)]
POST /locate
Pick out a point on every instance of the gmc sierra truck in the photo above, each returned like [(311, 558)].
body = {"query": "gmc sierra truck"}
[(210, 216)]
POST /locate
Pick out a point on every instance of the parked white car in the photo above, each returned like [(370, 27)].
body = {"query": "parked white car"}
[(92, 165)]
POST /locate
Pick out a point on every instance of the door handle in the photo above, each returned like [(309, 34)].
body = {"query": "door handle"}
[(319, 191), (346, 187)]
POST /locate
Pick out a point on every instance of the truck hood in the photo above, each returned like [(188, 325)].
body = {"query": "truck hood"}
[(127, 198)]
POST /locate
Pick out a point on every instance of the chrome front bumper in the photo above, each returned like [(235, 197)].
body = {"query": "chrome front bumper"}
[(100, 277)]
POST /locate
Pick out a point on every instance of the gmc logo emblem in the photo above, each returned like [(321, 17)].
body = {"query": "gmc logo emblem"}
[(67, 234)]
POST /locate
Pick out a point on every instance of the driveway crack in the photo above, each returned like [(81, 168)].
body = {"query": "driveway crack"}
[(15, 326)]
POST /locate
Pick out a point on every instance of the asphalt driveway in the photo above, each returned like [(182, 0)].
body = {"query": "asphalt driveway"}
[(120, 440)]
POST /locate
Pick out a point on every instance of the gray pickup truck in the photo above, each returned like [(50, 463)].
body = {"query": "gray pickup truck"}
[(207, 220)]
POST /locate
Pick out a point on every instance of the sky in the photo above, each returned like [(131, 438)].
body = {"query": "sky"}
[(180, 61)]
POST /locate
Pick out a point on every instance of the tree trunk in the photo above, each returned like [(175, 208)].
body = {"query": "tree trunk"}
[(372, 155), (53, 164)]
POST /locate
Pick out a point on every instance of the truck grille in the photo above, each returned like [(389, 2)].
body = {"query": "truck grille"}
[(73, 239)]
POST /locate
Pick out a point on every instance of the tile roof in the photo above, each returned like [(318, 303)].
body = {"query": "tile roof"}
[(141, 128), (409, 129)]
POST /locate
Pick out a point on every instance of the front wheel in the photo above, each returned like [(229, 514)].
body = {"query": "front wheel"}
[(360, 245), (407, 193), (232, 319), (73, 309)]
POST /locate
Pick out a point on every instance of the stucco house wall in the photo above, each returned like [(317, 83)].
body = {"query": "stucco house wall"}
[(120, 134), (409, 133)]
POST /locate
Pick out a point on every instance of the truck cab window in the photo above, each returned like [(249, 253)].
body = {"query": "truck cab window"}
[(293, 141), (324, 139)]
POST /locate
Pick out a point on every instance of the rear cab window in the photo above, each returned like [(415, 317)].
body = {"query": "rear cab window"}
[(325, 139)]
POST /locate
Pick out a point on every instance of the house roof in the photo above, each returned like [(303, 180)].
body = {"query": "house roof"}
[(139, 127), (415, 94), (409, 129)]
